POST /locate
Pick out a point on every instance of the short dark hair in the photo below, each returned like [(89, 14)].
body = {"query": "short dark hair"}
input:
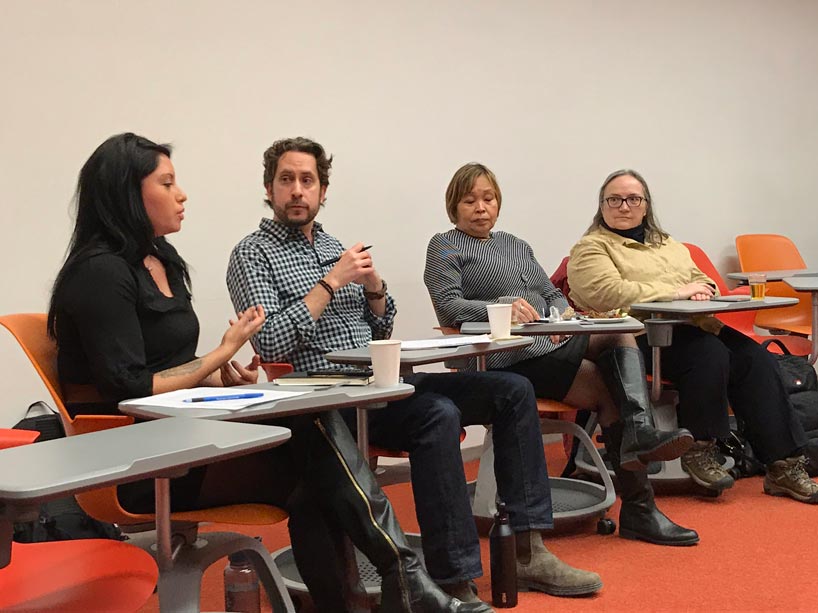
[(463, 182), (300, 144)]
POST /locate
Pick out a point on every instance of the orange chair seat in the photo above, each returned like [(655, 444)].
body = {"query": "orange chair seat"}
[(246, 514), (84, 575)]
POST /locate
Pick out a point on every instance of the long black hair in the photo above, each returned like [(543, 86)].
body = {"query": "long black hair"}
[(110, 213)]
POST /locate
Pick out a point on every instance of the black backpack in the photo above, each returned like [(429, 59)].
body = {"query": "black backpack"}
[(801, 383), (61, 519)]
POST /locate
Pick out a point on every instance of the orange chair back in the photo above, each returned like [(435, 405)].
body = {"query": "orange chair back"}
[(705, 264), (29, 329), (776, 252), (742, 320), (274, 370), (767, 252)]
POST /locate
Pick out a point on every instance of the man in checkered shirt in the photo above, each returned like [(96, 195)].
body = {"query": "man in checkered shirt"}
[(320, 297)]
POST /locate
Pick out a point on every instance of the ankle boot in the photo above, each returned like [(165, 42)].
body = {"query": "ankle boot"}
[(639, 519), (624, 372), (348, 490), (540, 570)]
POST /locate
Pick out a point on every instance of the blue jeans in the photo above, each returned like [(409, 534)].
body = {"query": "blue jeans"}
[(427, 425)]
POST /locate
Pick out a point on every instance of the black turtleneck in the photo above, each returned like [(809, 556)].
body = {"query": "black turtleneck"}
[(637, 233)]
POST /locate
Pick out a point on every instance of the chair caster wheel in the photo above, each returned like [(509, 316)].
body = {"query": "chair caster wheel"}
[(605, 526)]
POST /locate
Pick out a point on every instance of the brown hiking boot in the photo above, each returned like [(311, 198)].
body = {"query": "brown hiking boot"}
[(789, 478), (540, 570), (701, 464)]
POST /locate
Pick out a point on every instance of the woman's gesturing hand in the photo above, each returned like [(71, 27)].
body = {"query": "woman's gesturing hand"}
[(246, 324), (233, 373)]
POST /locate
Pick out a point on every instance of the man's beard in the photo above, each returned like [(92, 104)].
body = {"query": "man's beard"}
[(297, 223)]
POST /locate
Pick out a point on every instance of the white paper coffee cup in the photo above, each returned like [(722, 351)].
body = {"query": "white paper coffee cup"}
[(385, 362), (514, 310), (499, 320)]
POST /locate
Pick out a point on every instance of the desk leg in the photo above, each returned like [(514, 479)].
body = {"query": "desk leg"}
[(656, 384), (363, 432), (814, 354), (164, 555), (481, 363)]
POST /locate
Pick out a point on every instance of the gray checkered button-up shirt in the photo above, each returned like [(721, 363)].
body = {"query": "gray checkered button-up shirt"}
[(276, 266)]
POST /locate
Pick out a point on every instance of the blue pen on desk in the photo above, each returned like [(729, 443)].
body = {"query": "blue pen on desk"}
[(226, 397)]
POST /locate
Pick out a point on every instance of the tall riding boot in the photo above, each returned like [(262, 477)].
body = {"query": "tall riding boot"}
[(349, 492), (639, 519), (324, 556), (624, 374)]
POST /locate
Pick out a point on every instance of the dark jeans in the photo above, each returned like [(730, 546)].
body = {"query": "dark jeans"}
[(427, 425), (711, 371)]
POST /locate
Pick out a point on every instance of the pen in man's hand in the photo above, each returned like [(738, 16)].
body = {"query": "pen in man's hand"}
[(226, 397), (335, 259)]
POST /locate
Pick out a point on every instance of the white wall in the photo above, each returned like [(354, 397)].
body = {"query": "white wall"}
[(715, 102)]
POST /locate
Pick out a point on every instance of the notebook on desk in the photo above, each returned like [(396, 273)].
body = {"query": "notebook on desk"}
[(327, 377)]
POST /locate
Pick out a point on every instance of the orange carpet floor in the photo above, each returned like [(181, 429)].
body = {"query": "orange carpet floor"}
[(757, 553)]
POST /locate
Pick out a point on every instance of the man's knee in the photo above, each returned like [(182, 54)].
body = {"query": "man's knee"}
[(439, 416)]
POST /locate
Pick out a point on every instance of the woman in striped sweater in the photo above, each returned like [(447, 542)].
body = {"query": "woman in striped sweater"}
[(472, 266)]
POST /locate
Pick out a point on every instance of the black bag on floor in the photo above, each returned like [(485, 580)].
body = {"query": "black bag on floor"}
[(737, 447), (62, 519), (801, 383)]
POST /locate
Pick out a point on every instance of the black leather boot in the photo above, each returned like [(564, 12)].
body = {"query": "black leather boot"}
[(324, 556), (347, 489), (639, 519), (624, 374)]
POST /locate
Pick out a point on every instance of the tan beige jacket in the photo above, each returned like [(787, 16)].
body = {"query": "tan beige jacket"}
[(607, 271)]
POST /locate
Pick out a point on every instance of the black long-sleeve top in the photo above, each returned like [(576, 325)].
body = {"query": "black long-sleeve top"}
[(115, 329)]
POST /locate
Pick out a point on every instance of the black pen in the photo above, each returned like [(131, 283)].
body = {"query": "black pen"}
[(335, 259)]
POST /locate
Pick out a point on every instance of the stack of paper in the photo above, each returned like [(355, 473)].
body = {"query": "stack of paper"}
[(223, 398), (451, 340)]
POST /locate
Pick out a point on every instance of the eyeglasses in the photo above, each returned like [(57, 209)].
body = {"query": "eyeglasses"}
[(633, 202)]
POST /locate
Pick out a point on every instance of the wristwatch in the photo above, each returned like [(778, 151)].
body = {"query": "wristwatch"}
[(376, 295)]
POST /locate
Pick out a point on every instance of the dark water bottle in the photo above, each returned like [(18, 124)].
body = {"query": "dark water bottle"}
[(241, 588), (503, 554)]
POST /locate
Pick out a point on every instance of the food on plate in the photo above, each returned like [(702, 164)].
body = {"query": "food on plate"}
[(569, 313), (612, 314)]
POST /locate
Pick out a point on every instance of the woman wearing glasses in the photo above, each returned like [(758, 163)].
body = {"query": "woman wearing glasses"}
[(471, 266), (625, 257)]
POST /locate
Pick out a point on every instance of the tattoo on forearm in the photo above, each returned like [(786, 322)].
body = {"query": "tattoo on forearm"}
[(183, 369)]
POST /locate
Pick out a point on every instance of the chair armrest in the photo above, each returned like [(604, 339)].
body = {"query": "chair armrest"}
[(274, 370), (84, 424), (10, 437)]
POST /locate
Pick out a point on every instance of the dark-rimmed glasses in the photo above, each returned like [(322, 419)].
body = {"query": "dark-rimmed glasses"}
[(633, 202)]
